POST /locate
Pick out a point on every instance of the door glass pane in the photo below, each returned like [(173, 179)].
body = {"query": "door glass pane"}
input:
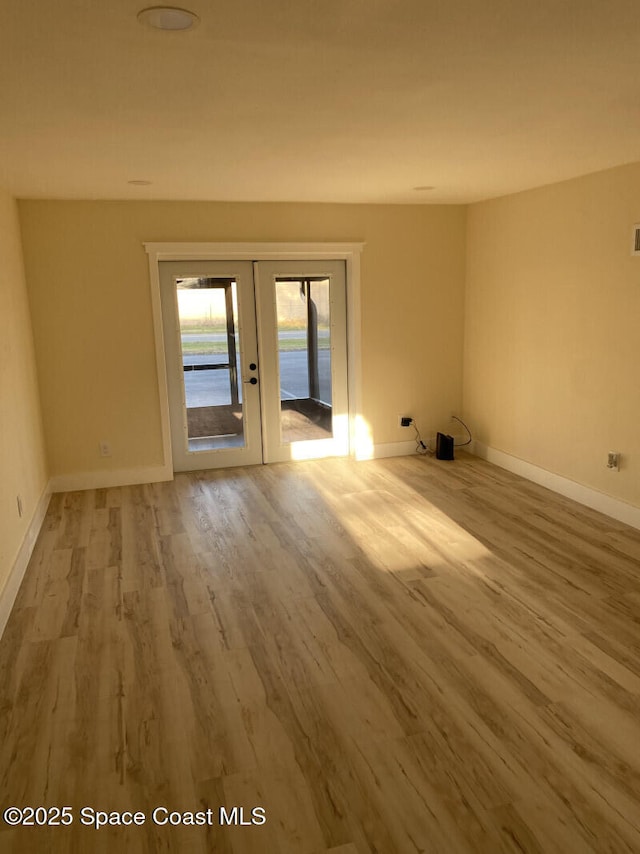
[(208, 316), (304, 351)]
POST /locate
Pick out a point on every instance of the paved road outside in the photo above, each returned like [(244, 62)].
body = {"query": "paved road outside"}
[(211, 388), (222, 336)]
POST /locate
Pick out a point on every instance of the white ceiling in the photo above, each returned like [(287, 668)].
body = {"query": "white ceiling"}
[(316, 100)]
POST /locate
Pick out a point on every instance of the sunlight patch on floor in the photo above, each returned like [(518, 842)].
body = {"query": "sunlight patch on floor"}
[(400, 530), (315, 449)]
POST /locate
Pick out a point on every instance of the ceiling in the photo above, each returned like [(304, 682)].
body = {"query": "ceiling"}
[(316, 100)]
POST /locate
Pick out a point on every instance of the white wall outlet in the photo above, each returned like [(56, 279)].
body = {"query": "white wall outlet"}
[(20, 506), (105, 448), (613, 460)]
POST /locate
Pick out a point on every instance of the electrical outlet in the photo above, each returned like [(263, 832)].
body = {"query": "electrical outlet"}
[(20, 507), (613, 460), (405, 421), (105, 448)]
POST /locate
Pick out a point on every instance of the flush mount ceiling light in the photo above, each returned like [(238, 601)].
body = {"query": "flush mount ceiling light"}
[(168, 18)]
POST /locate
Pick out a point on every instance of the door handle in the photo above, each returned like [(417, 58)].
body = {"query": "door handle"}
[(252, 381)]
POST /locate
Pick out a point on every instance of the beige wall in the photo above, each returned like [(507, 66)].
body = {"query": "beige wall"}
[(89, 289), (22, 460), (552, 339)]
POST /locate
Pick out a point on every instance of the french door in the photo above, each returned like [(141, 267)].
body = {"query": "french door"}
[(256, 361)]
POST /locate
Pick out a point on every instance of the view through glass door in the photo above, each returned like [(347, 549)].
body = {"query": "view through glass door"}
[(244, 387)]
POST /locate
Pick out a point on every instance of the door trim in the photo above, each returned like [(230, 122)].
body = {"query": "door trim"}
[(347, 252)]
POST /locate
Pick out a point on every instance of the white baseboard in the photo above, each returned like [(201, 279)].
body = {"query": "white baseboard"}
[(17, 571), (613, 507), (103, 479), (394, 449)]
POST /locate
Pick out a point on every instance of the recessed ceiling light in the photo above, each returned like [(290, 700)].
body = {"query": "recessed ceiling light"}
[(423, 189), (139, 183), (168, 18)]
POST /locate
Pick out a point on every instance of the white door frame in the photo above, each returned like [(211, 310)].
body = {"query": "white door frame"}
[(348, 252)]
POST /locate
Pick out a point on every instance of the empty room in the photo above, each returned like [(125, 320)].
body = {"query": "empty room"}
[(319, 427)]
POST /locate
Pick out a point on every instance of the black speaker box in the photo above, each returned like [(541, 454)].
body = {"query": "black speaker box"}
[(444, 447)]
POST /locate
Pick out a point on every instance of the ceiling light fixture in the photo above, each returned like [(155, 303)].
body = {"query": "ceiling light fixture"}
[(168, 18)]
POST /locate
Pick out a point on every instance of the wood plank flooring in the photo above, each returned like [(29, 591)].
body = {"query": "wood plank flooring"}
[(401, 655)]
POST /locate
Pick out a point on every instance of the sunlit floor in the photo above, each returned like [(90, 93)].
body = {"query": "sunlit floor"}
[(391, 656)]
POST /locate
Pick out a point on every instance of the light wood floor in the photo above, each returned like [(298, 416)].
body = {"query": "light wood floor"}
[(395, 656)]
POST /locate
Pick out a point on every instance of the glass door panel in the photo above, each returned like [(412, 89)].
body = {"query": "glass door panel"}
[(304, 354), (208, 318)]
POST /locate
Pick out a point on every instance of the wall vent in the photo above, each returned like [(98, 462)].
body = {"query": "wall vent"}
[(635, 246)]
